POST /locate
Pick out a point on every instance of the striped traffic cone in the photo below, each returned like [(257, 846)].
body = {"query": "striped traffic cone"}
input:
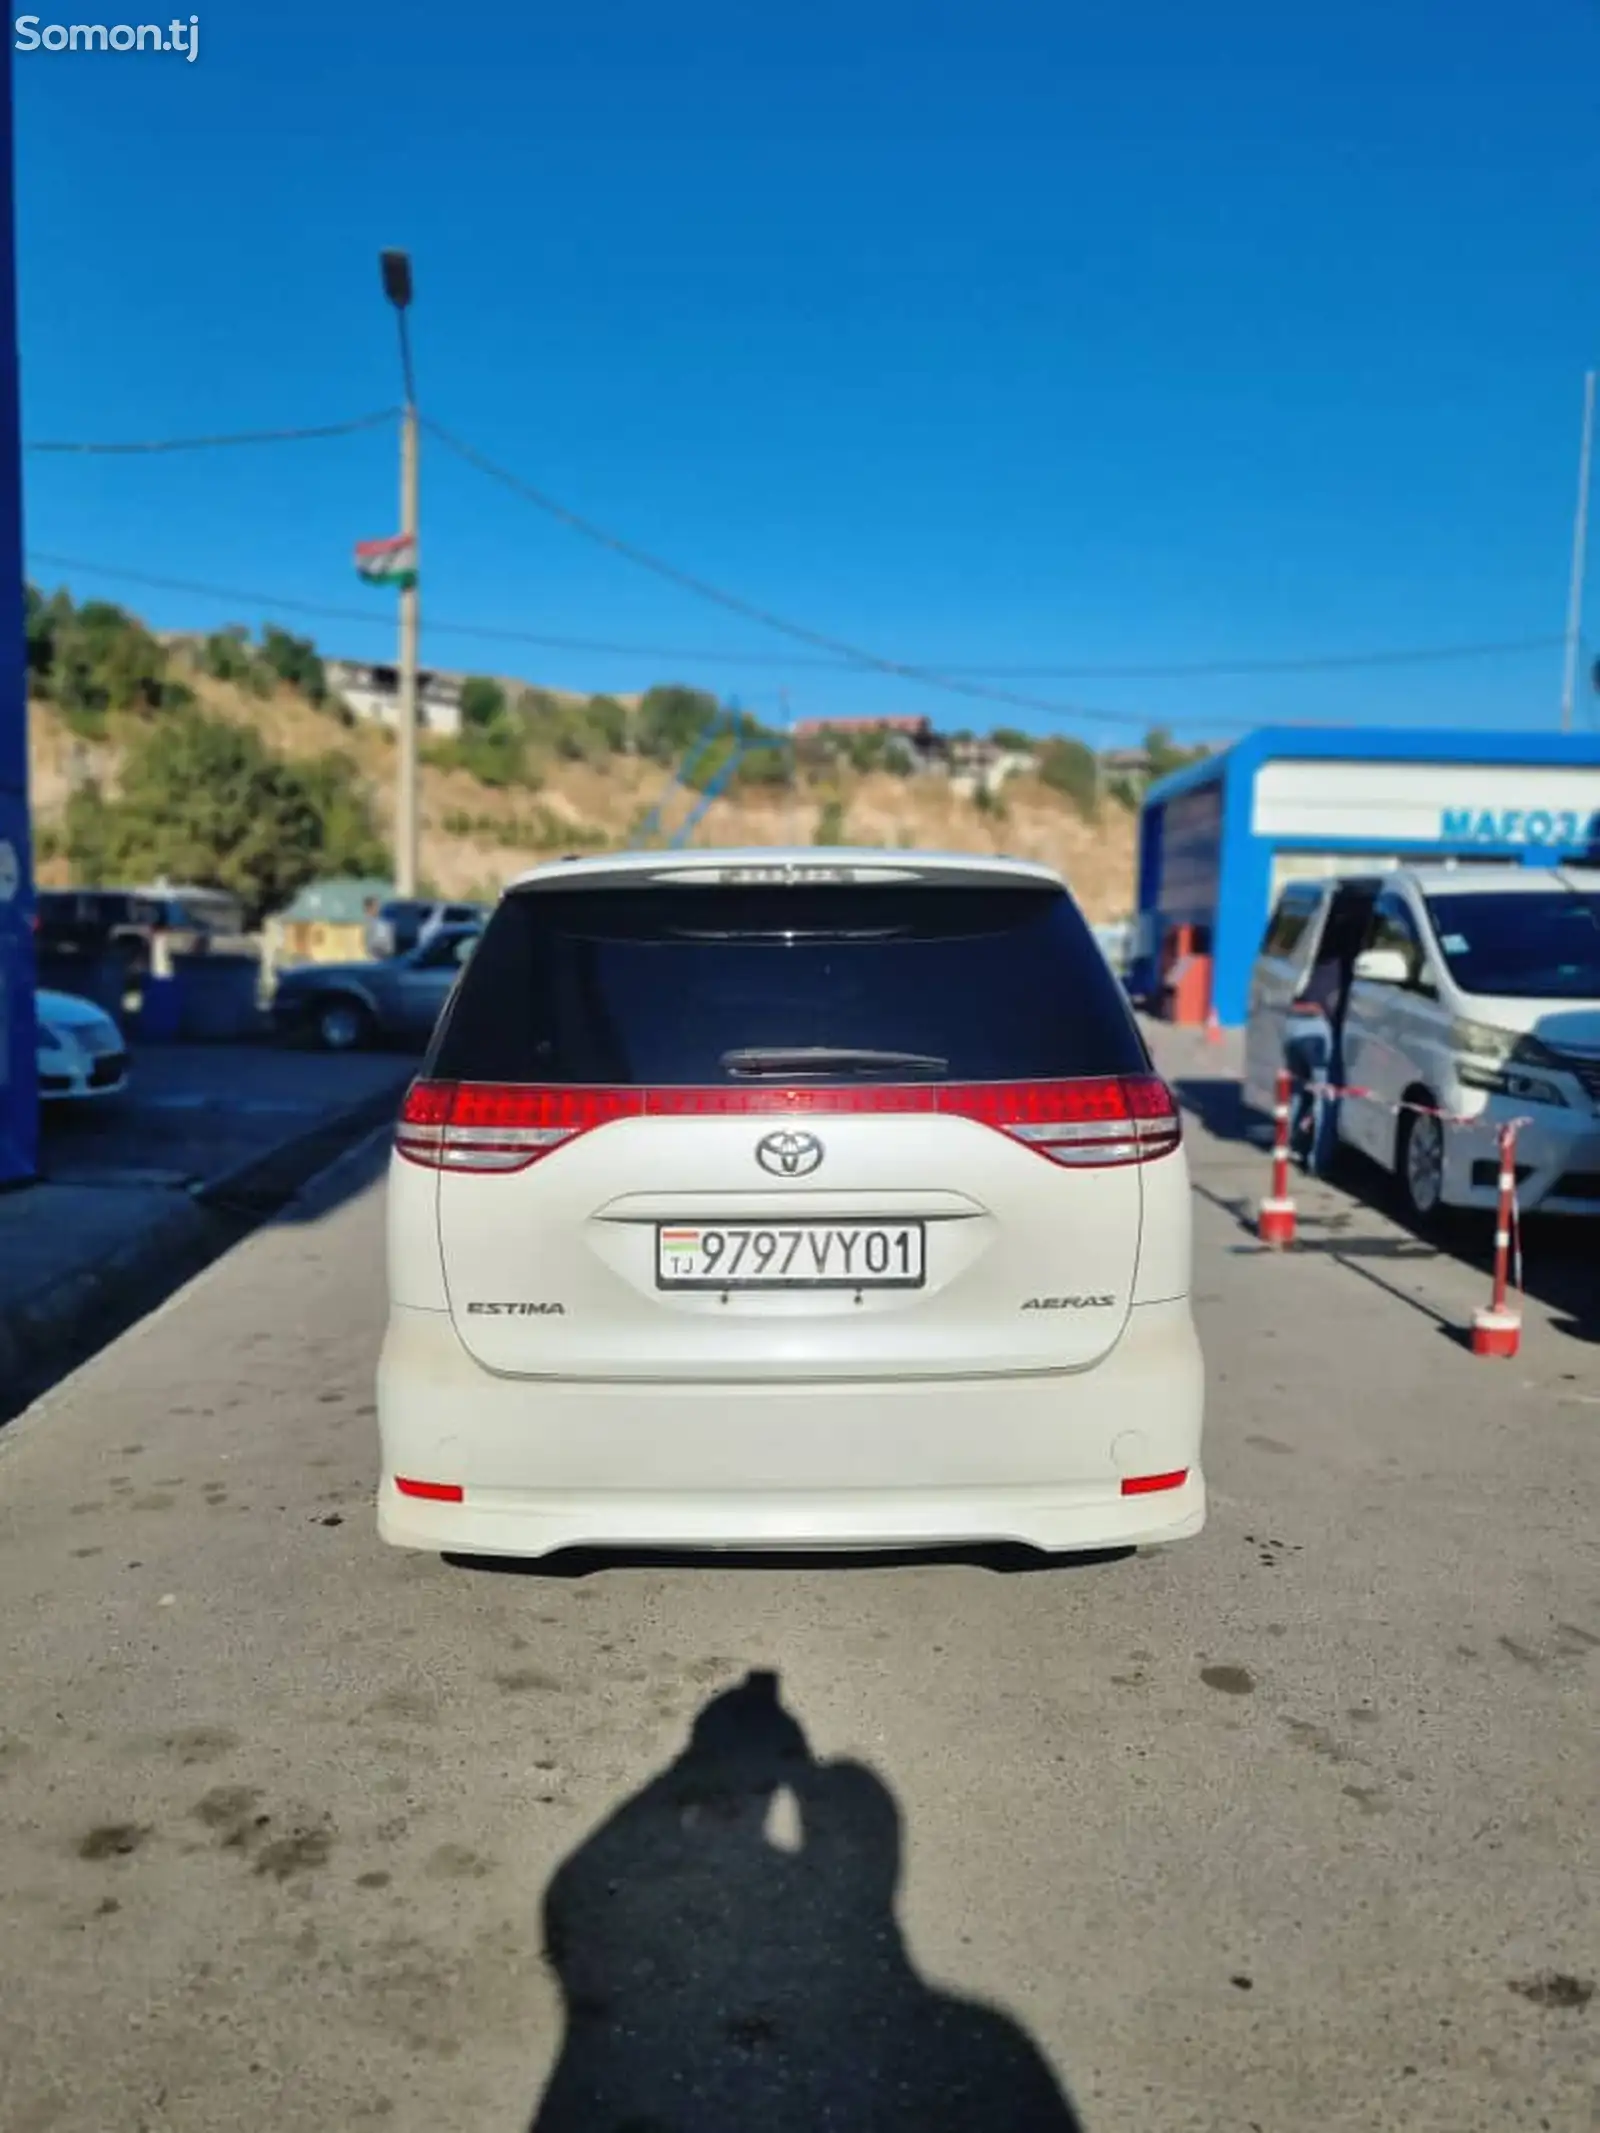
[(1275, 1218)]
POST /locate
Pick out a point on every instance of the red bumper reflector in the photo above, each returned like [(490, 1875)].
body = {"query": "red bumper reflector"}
[(432, 1491), (1148, 1484)]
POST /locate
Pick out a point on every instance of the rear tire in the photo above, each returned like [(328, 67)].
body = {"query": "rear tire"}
[(1419, 1165), (342, 1024)]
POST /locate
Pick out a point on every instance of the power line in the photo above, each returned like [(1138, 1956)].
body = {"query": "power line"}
[(820, 640), (955, 680), (841, 656), (510, 633), (490, 632), (272, 603), (205, 444)]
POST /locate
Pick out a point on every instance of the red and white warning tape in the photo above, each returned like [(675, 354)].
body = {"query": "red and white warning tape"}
[(1384, 1103), (1496, 1330)]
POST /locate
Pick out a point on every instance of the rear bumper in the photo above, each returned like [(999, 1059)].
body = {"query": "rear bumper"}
[(545, 1464)]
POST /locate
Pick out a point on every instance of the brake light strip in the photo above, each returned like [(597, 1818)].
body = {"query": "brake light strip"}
[(1094, 1122)]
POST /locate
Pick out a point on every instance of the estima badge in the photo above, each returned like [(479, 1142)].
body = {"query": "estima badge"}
[(789, 1155), (516, 1310)]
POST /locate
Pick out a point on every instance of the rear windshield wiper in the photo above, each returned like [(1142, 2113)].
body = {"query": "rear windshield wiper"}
[(774, 1061)]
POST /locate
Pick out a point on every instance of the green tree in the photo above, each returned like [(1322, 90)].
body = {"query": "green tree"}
[(606, 721), (492, 745), (205, 801), (1167, 755), (765, 765), (295, 660), (96, 659), (830, 823), (671, 718), (483, 703), (873, 749), (229, 655), (494, 755), (1012, 739), (1071, 769), (350, 843), (578, 729)]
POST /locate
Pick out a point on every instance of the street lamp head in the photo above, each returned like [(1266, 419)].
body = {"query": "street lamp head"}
[(396, 277)]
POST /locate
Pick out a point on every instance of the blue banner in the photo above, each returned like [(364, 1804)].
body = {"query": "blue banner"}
[(19, 1072)]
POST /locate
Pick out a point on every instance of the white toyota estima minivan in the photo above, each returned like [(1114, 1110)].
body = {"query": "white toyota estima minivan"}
[(788, 1200)]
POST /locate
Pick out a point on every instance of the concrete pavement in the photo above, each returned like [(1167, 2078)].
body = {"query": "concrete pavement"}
[(1291, 1826)]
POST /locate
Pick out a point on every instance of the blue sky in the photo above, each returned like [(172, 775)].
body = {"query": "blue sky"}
[(1008, 331)]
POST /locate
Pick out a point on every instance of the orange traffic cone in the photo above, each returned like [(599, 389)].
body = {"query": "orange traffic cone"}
[(1213, 1027)]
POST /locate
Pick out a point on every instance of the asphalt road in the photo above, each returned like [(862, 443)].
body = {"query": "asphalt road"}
[(1292, 1826), (196, 1111)]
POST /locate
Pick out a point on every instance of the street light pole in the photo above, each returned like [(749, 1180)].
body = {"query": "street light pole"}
[(397, 287), (1580, 536)]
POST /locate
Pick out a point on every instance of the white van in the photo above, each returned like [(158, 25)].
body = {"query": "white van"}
[(783, 1200), (1472, 991)]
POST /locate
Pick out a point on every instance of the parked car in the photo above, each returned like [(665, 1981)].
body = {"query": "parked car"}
[(87, 925), (774, 1200), (81, 1051), (1472, 992), (344, 1006), (94, 926), (191, 916), (412, 919)]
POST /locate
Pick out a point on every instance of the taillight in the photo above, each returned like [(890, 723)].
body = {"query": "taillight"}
[(469, 1125), (1092, 1123), (1086, 1124)]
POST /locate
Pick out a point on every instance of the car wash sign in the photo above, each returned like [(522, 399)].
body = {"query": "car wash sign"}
[(1563, 829), (1446, 807)]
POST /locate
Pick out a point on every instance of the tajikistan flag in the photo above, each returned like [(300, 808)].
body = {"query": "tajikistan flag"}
[(392, 561)]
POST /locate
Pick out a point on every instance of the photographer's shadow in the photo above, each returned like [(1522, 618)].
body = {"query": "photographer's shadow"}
[(731, 1961)]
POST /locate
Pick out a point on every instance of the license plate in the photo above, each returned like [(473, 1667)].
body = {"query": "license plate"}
[(789, 1255)]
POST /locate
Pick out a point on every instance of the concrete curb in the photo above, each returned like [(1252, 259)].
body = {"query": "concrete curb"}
[(43, 1332), (261, 1184)]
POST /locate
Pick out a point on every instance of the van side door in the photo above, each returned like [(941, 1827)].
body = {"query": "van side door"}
[(1381, 1032), (1280, 970)]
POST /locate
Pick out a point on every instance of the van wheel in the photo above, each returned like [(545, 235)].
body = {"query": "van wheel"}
[(342, 1025), (1419, 1164)]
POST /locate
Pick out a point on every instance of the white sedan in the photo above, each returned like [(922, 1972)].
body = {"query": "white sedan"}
[(82, 1053)]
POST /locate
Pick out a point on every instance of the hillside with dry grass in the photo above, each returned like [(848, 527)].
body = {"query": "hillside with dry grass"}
[(477, 833)]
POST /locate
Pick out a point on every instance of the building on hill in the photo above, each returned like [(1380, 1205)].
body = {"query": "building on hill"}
[(1126, 762), (370, 691), (927, 749), (971, 762), (983, 765)]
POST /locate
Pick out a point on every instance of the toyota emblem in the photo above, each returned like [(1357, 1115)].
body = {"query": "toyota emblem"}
[(789, 1155)]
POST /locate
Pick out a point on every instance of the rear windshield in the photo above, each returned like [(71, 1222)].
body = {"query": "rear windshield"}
[(1530, 945), (658, 986), (86, 908)]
